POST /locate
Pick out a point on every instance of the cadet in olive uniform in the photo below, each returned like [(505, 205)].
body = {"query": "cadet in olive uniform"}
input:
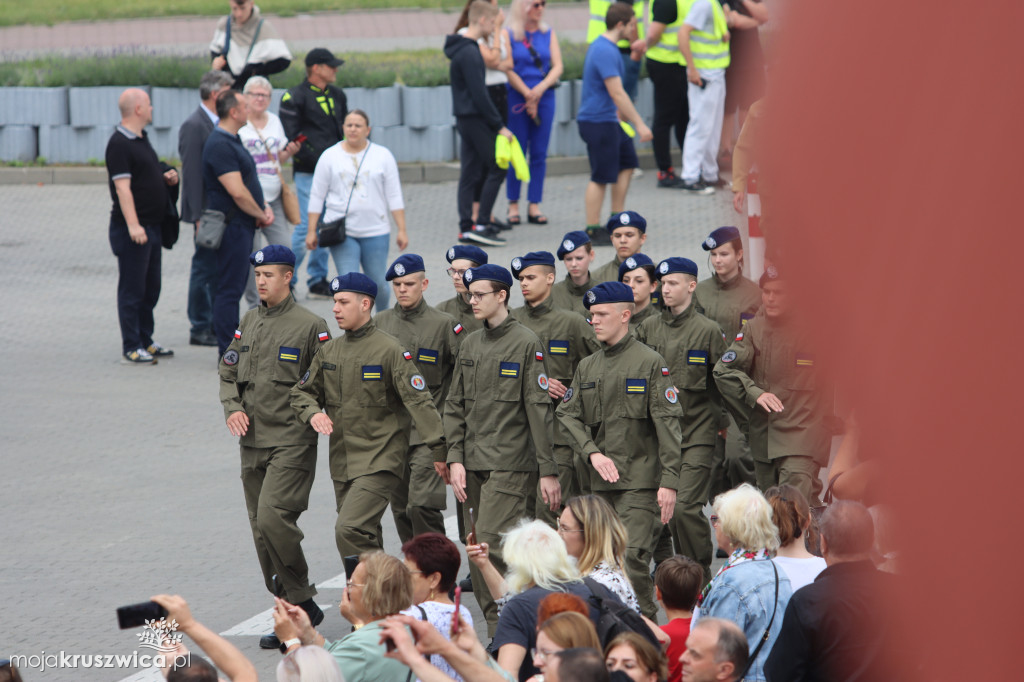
[(691, 345), (731, 300), (566, 339), (367, 382), (629, 232), (637, 272), (623, 413), (432, 337), (499, 421), (274, 346), (771, 374), (577, 253), (461, 257)]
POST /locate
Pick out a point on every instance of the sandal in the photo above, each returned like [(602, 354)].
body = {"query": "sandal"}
[(539, 219), (513, 219)]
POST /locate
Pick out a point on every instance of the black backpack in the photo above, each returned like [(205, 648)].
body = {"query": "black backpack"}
[(614, 617)]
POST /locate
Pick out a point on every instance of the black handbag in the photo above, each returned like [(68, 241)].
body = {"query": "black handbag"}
[(333, 233)]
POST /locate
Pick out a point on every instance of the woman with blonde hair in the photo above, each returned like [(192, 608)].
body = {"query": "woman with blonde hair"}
[(748, 589), (635, 656), (595, 537), (562, 631)]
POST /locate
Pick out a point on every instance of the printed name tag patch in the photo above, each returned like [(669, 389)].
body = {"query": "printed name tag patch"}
[(636, 385), (426, 355), (509, 369), (286, 354), (697, 357), (372, 372)]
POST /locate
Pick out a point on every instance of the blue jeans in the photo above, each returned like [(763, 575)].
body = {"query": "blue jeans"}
[(630, 75), (232, 274), (372, 254), (316, 270), (202, 283)]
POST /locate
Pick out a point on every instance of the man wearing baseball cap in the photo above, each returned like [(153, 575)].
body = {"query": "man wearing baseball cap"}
[(272, 348), (370, 387), (433, 339), (316, 109), (691, 345), (622, 413), (498, 420)]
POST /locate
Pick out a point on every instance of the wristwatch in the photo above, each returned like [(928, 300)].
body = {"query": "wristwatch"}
[(289, 643)]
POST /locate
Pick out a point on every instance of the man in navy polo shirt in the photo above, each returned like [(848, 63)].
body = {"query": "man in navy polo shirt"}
[(229, 177)]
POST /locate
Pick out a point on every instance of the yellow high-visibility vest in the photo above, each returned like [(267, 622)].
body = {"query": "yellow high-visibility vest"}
[(598, 12), (709, 50), (667, 49)]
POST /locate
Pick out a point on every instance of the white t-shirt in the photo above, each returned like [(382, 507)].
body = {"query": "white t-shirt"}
[(266, 169), (440, 616), (377, 191), (492, 76), (800, 572)]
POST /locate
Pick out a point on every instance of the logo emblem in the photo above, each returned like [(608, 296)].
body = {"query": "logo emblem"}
[(591, 296), (335, 284), (631, 263), (729, 356), (517, 264), (469, 275), (710, 242), (259, 256), (671, 395), (568, 245), (417, 382), (451, 254), (542, 381), (304, 379), (231, 357), (624, 218), (771, 272), (663, 268), (568, 395), (399, 269)]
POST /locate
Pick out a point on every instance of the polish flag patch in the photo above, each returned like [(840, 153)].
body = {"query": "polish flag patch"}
[(539, 356), (238, 333), (407, 355), (458, 329), (664, 371), (739, 337), (323, 336)]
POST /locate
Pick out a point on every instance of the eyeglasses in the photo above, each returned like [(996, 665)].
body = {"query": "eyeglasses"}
[(480, 297), (538, 5), (349, 584), (259, 95), (562, 528), (542, 655), (452, 272), (714, 519)]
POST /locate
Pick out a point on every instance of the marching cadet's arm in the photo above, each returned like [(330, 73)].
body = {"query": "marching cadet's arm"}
[(666, 413), (318, 336), (307, 396), (230, 397), (455, 416), (411, 387), (570, 416), (732, 375), (452, 359), (717, 348), (538, 410)]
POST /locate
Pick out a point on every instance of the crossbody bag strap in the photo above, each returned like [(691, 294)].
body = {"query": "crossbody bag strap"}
[(227, 39), (767, 630), (252, 45), (352, 190), (273, 155)]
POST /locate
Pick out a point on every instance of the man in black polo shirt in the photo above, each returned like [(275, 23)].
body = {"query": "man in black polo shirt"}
[(229, 178), (139, 189)]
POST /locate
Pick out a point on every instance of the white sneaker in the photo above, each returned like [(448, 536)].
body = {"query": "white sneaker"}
[(139, 356)]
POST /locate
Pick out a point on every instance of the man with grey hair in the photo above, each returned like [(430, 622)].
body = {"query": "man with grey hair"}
[(716, 651), (191, 138), (831, 630)]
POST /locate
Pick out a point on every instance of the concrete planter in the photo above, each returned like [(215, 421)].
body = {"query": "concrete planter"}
[(95, 106), (382, 105), (33, 106), (69, 144), (164, 141), (410, 145), (565, 103), (569, 142), (422, 107), (171, 106), (18, 143)]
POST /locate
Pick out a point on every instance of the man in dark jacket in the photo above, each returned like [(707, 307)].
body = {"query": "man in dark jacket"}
[(315, 108), (191, 138), (478, 123)]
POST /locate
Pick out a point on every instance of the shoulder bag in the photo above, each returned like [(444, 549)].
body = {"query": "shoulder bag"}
[(767, 630), (289, 200), (333, 233)]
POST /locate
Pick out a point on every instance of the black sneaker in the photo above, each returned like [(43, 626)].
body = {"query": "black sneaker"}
[(696, 188), (320, 289), (668, 179), (500, 225), (202, 339), (270, 642), (599, 237), (487, 236), (158, 351), (139, 356)]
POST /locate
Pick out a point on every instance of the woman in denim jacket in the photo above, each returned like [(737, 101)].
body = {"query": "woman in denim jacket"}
[(743, 590)]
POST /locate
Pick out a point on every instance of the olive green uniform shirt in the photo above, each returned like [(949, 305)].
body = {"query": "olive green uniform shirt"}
[(775, 357), (367, 381), (272, 348), (731, 304), (433, 339), (641, 315), (458, 308), (622, 404), (609, 272), (691, 345), (498, 416), (568, 296)]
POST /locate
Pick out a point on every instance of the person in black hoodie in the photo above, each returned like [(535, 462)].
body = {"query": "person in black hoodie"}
[(478, 123)]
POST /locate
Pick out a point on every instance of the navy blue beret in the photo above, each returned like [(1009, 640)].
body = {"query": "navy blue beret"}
[(274, 254), (608, 292), (771, 273), (493, 273), (572, 241), (354, 281), (722, 235), (676, 264), (473, 253), (533, 258), (405, 264), (627, 219), (637, 260)]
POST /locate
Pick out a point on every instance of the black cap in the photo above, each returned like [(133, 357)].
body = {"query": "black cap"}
[(321, 55)]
